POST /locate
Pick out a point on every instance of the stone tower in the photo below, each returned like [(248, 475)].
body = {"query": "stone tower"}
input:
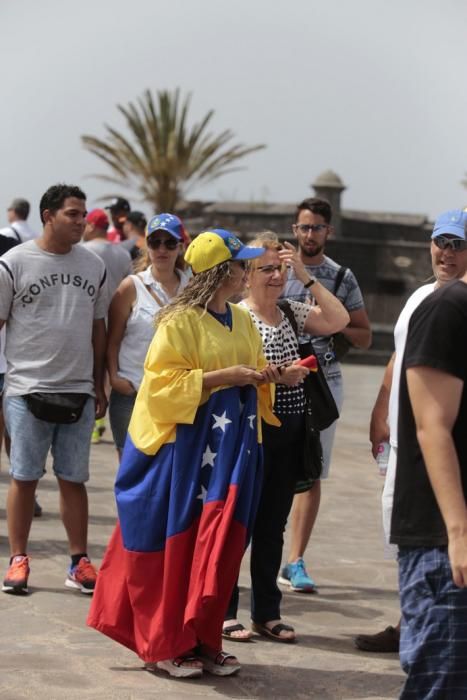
[(329, 186)]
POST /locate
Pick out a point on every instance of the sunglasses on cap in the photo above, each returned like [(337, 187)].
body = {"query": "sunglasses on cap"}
[(456, 244), (168, 243)]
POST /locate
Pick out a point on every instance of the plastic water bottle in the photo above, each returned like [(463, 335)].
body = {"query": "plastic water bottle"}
[(382, 457)]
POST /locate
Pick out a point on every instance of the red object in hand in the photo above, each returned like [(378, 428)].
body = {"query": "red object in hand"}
[(311, 362)]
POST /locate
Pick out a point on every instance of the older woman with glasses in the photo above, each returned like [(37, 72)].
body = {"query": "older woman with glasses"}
[(189, 479), (159, 277), (283, 446)]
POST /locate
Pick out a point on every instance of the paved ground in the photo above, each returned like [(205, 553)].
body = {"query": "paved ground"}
[(47, 651)]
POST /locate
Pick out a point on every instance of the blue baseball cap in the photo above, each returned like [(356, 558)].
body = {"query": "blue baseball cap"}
[(451, 222), (166, 222)]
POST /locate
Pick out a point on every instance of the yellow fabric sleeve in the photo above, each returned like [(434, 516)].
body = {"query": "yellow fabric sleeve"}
[(183, 348)]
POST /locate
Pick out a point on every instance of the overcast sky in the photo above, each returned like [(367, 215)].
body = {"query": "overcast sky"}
[(373, 89)]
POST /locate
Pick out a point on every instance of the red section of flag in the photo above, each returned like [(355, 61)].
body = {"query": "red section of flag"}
[(162, 604), (311, 362)]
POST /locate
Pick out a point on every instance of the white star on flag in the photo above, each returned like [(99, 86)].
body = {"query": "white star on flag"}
[(208, 457), (202, 494), (221, 421), (251, 419)]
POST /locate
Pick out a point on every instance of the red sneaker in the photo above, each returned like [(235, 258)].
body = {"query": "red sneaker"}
[(82, 576), (16, 579)]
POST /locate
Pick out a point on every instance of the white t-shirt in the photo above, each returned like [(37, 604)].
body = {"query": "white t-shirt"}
[(49, 302), (139, 329), (22, 228), (400, 337)]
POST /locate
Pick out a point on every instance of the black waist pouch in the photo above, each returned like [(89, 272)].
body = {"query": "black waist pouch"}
[(56, 408)]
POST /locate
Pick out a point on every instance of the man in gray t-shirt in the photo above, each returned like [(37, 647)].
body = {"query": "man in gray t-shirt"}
[(53, 300), (116, 258), (311, 229)]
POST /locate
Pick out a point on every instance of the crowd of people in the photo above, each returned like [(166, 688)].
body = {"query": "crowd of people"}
[(198, 346)]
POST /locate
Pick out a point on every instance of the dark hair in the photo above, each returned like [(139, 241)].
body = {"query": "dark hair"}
[(20, 207), (316, 206), (55, 196)]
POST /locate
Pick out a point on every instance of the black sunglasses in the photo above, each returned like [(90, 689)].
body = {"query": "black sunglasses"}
[(156, 243), (456, 244)]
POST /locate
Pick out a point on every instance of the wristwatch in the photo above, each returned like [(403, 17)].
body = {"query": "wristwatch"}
[(310, 282)]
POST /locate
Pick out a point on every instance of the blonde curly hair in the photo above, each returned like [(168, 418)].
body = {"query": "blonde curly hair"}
[(199, 291)]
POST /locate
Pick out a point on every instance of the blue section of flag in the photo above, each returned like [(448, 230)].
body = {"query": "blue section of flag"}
[(162, 495)]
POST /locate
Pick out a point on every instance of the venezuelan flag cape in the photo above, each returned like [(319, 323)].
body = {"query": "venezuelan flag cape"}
[(186, 505)]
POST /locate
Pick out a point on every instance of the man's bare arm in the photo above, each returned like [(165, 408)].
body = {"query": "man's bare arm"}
[(435, 397), (358, 331)]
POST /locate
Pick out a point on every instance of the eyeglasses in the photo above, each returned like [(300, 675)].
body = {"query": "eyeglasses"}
[(271, 269), (156, 243), (308, 228), (456, 244)]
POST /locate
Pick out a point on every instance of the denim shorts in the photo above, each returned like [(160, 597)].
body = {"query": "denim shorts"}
[(32, 438), (120, 410)]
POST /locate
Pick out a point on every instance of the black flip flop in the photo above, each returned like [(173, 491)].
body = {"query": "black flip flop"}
[(227, 633), (274, 632)]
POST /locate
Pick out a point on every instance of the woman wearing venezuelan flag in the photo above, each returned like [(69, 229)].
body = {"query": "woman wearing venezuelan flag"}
[(188, 484)]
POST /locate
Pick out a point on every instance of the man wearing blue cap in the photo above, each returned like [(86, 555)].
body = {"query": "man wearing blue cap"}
[(448, 263), (429, 517)]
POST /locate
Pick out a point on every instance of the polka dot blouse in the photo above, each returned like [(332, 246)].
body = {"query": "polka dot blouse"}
[(280, 347)]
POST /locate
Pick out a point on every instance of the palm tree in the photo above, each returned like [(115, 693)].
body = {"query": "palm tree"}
[(162, 157)]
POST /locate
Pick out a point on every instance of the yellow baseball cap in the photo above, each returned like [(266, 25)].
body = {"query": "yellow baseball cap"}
[(214, 247)]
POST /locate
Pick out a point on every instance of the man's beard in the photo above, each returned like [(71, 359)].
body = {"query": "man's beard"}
[(312, 252)]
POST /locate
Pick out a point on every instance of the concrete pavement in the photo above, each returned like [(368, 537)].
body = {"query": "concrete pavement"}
[(46, 651)]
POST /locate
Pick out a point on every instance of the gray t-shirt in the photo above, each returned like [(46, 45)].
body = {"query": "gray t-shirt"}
[(348, 293), (116, 259), (49, 303)]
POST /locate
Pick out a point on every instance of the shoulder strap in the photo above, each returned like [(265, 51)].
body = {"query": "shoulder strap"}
[(18, 237), (151, 292), (284, 305), (339, 277)]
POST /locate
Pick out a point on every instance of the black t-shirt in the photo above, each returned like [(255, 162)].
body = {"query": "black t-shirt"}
[(437, 338)]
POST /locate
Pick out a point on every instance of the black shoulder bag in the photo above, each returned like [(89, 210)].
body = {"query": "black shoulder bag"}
[(325, 411), (339, 344), (312, 464)]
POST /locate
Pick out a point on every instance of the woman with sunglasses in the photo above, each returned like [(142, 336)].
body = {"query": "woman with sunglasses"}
[(283, 447), (159, 277), (190, 475)]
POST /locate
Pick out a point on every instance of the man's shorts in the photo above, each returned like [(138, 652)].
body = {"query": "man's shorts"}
[(32, 438), (433, 645)]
